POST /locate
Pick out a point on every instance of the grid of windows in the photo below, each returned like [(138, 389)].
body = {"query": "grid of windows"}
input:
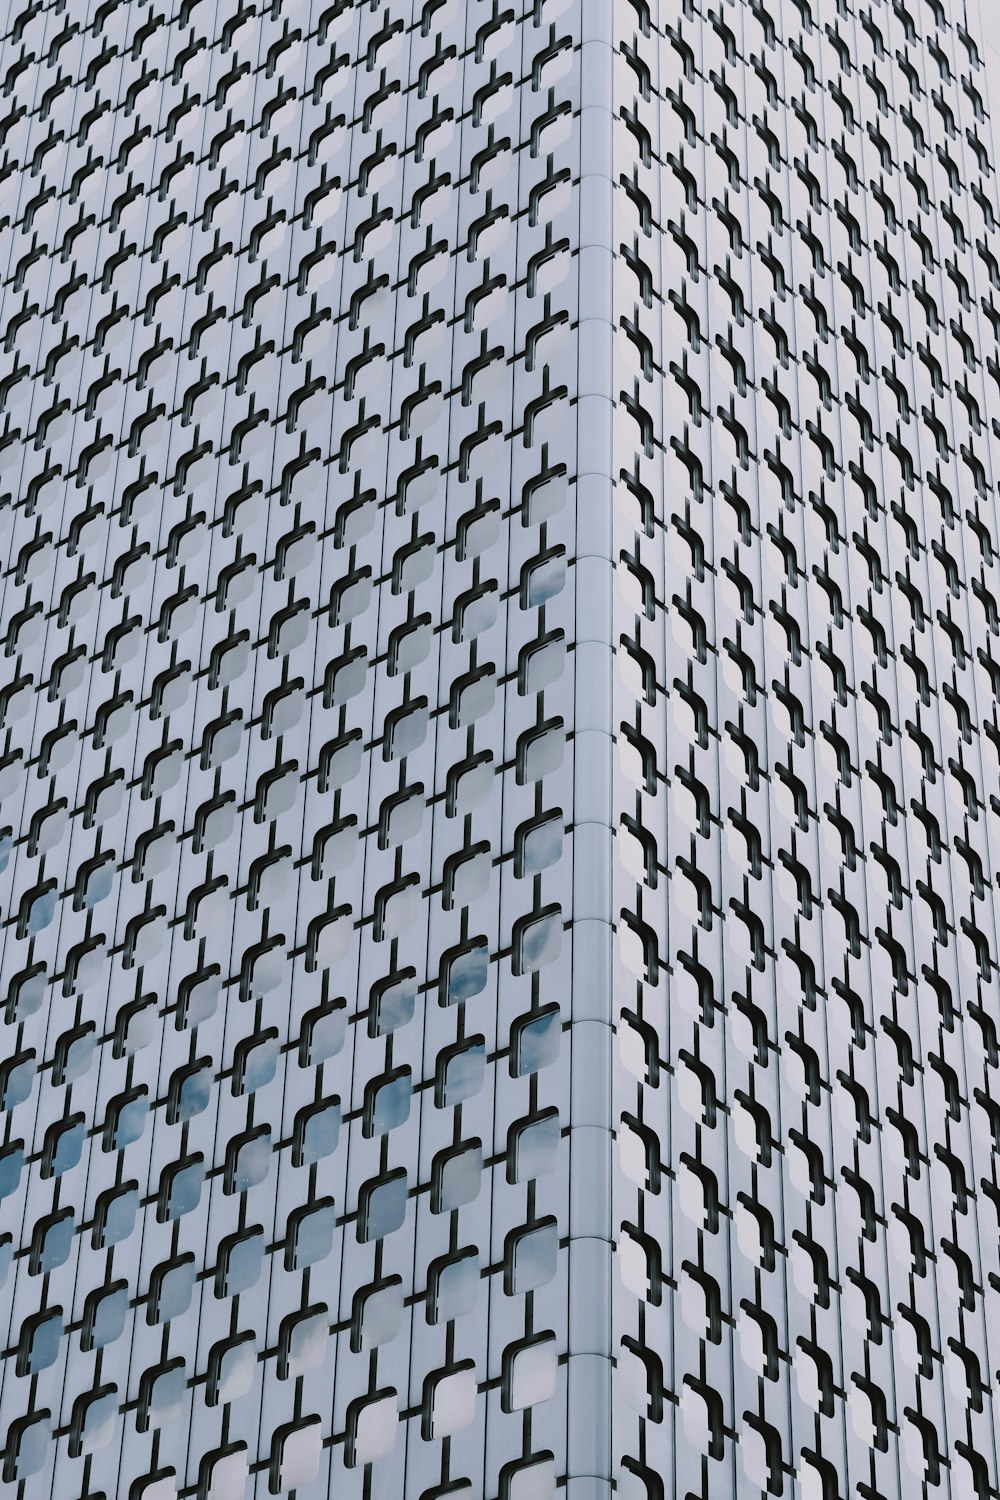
[(499, 747), (806, 368), (288, 464)]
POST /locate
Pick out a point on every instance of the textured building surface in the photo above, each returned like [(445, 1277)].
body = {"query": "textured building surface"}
[(499, 745), (806, 1210), (289, 758)]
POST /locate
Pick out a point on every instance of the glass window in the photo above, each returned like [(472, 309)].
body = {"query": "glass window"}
[(378, 1312), (453, 1286), (387, 1102), (93, 1421), (29, 1444), (52, 1242), (537, 940), (371, 1428), (317, 1130), (465, 972), (17, 1077), (248, 1160), (530, 1372), (256, 1062), (180, 1189), (104, 1315), (382, 1206), (449, 1401), (323, 1033), (457, 1176), (240, 1262), (460, 1072), (535, 1040), (393, 1001), (303, 1341), (232, 1366), (531, 1478), (11, 1163), (162, 1391), (114, 1218), (126, 1120), (531, 1257), (309, 1238), (538, 844), (190, 1091), (38, 1345), (171, 1287)]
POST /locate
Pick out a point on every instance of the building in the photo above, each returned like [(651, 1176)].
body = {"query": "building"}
[(498, 750)]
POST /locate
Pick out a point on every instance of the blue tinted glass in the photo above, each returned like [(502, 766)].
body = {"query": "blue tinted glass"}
[(394, 1006), (392, 1104), (319, 1138), (314, 1237), (45, 1340), (201, 1001), (242, 1264), (32, 1449), (467, 974), (408, 733), (535, 1256), (175, 1289), (234, 1373), (464, 1073), (119, 1218), (536, 1148), (99, 1421), (78, 1057), (459, 1179), (166, 1398), (455, 1289), (326, 1035), (69, 1148), (131, 1122), (537, 1042), (381, 1316), (18, 1084), (542, 846), (384, 1208), (99, 885), (185, 1190), (30, 994), (194, 1094), (57, 1244), (261, 1064), (253, 1160), (540, 942), (546, 580), (109, 1319), (11, 1162), (43, 909)]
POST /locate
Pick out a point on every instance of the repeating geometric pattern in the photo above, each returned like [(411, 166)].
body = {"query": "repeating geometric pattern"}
[(805, 316), (288, 716), (499, 748)]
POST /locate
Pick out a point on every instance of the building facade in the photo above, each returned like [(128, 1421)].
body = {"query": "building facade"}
[(499, 738)]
